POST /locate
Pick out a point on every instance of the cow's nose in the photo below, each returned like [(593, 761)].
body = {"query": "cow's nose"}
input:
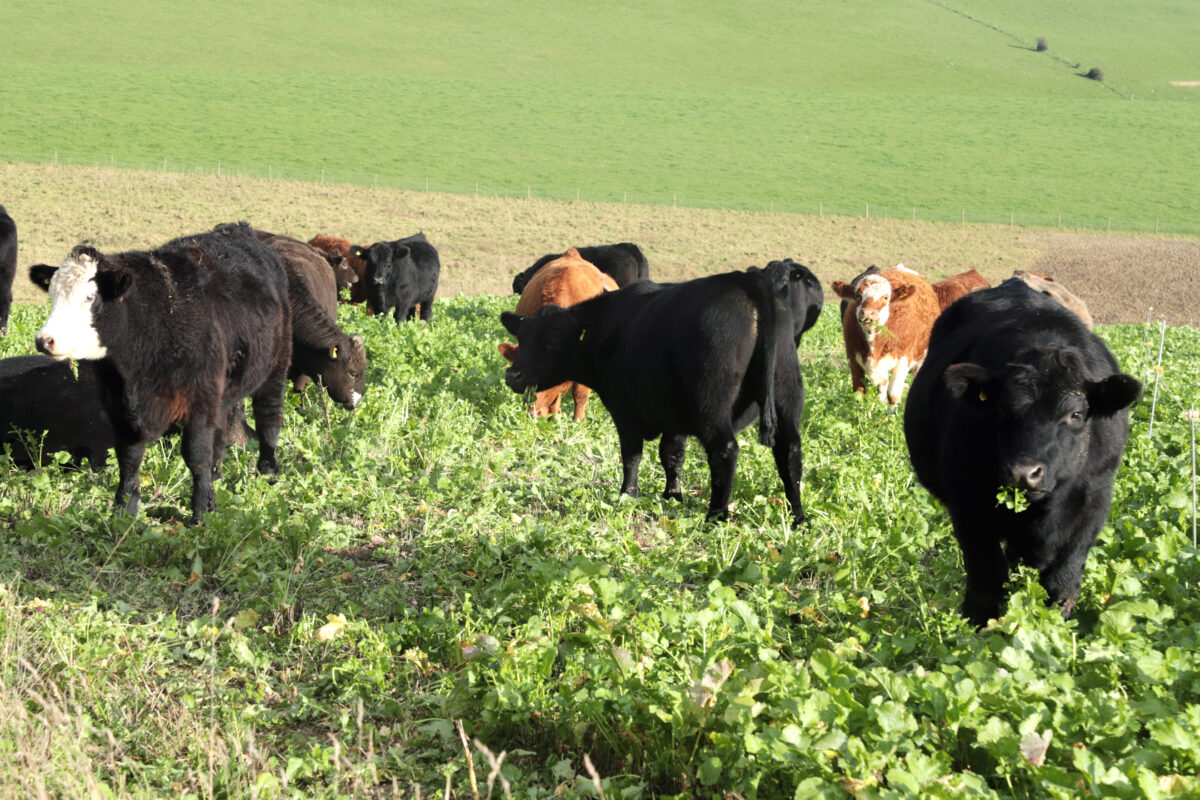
[(514, 378), (44, 342), (1028, 476)]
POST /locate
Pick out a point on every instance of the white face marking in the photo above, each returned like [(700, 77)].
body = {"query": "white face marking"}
[(874, 297), (70, 331), (354, 398)]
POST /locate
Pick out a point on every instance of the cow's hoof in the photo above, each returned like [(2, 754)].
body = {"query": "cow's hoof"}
[(630, 492), (717, 515), (673, 494)]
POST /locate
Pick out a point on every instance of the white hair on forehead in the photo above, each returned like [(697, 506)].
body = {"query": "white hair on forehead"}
[(903, 268), (70, 326), (874, 287)]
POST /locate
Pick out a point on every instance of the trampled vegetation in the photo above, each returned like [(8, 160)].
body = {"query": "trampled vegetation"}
[(939, 111), (438, 558)]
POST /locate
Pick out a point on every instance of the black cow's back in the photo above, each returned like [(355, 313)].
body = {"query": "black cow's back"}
[(8, 265), (623, 262), (45, 408)]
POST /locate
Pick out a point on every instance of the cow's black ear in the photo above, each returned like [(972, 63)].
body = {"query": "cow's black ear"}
[(113, 283), (968, 380), (511, 322), (358, 252), (41, 274), (1110, 395)]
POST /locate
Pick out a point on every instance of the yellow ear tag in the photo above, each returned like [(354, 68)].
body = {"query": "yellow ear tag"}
[(582, 334), (982, 396), (333, 353)]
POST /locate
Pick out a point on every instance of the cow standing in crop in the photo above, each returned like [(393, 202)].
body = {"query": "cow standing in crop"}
[(1046, 285), (320, 349), (8, 266), (190, 329), (623, 262), (333, 246), (48, 407), (1016, 394), (950, 289), (401, 275), (701, 358), (563, 282), (885, 327)]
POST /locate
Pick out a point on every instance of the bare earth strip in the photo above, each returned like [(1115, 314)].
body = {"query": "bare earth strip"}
[(484, 240)]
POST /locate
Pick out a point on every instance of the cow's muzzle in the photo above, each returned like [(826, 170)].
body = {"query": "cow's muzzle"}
[(1030, 476), (516, 380)]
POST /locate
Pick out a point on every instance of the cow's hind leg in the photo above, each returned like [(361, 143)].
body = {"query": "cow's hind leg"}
[(789, 462), (267, 403), (581, 394), (671, 450), (631, 459), (722, 450), (197, 447), (427, 309)]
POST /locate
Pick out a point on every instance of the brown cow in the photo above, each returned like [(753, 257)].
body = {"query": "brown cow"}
[(886, 328), (954, 287), (332, 245), (564, 282), (1057, 292)]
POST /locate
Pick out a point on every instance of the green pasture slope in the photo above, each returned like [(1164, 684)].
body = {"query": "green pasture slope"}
[(437, 558), (910, 108)]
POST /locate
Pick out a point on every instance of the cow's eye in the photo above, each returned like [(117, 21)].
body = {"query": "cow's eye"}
[(91, 296), (1075, 417)]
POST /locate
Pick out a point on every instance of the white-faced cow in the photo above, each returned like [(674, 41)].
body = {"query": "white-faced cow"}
[(885, 327), (8, 265), (190, 329), (1017, 394), (701, 358), (623, 262), (401, 275)]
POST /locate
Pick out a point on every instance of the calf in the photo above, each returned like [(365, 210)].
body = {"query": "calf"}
[(1057, 292), (623, 262), (352, 268), (563, 282), (1017, 394), (45, 408), (320, 349), (954, 287), (401, 275), (703, 358), (8, 266), (885, 327), (190, 329)]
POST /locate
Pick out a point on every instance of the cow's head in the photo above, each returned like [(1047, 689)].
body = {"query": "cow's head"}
[(1039, 409), (873, 297), (343, 274), (548, 345), (801, 293), (345, 374), (79, 291), (382, 263)]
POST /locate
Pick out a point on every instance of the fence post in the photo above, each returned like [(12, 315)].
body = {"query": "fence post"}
[(1157, 378), (868, 210)]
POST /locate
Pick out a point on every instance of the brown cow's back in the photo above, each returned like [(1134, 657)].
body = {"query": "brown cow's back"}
[(333, 244), (954, 287)]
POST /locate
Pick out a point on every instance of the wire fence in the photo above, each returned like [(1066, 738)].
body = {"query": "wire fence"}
[(866, 209)]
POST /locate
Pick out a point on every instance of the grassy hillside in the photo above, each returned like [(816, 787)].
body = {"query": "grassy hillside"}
[(911, 109)]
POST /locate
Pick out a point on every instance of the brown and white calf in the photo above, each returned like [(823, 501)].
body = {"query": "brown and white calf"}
[(563, 282), (886, 326)]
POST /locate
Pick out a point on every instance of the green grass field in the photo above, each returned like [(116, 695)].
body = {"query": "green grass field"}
[(906, 109), (438, 558)]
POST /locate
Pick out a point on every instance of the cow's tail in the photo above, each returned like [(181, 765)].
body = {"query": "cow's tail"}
[(766, 340)]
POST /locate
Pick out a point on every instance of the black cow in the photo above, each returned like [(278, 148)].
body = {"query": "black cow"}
[(401, 275), (624, 262), (1016, 393), (800, 291), (190, 329), (45, 408), (8, 266), (703, 358)]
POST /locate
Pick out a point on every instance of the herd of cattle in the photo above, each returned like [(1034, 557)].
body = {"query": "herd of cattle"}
[(1011, 389)]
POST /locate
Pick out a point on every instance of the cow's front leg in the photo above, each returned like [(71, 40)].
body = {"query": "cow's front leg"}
[(197, 447), (671, 450), (631, 458), (267, 403), (987, 570), (1063, 576), (895, 386), (722, 450), (129, 463)]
